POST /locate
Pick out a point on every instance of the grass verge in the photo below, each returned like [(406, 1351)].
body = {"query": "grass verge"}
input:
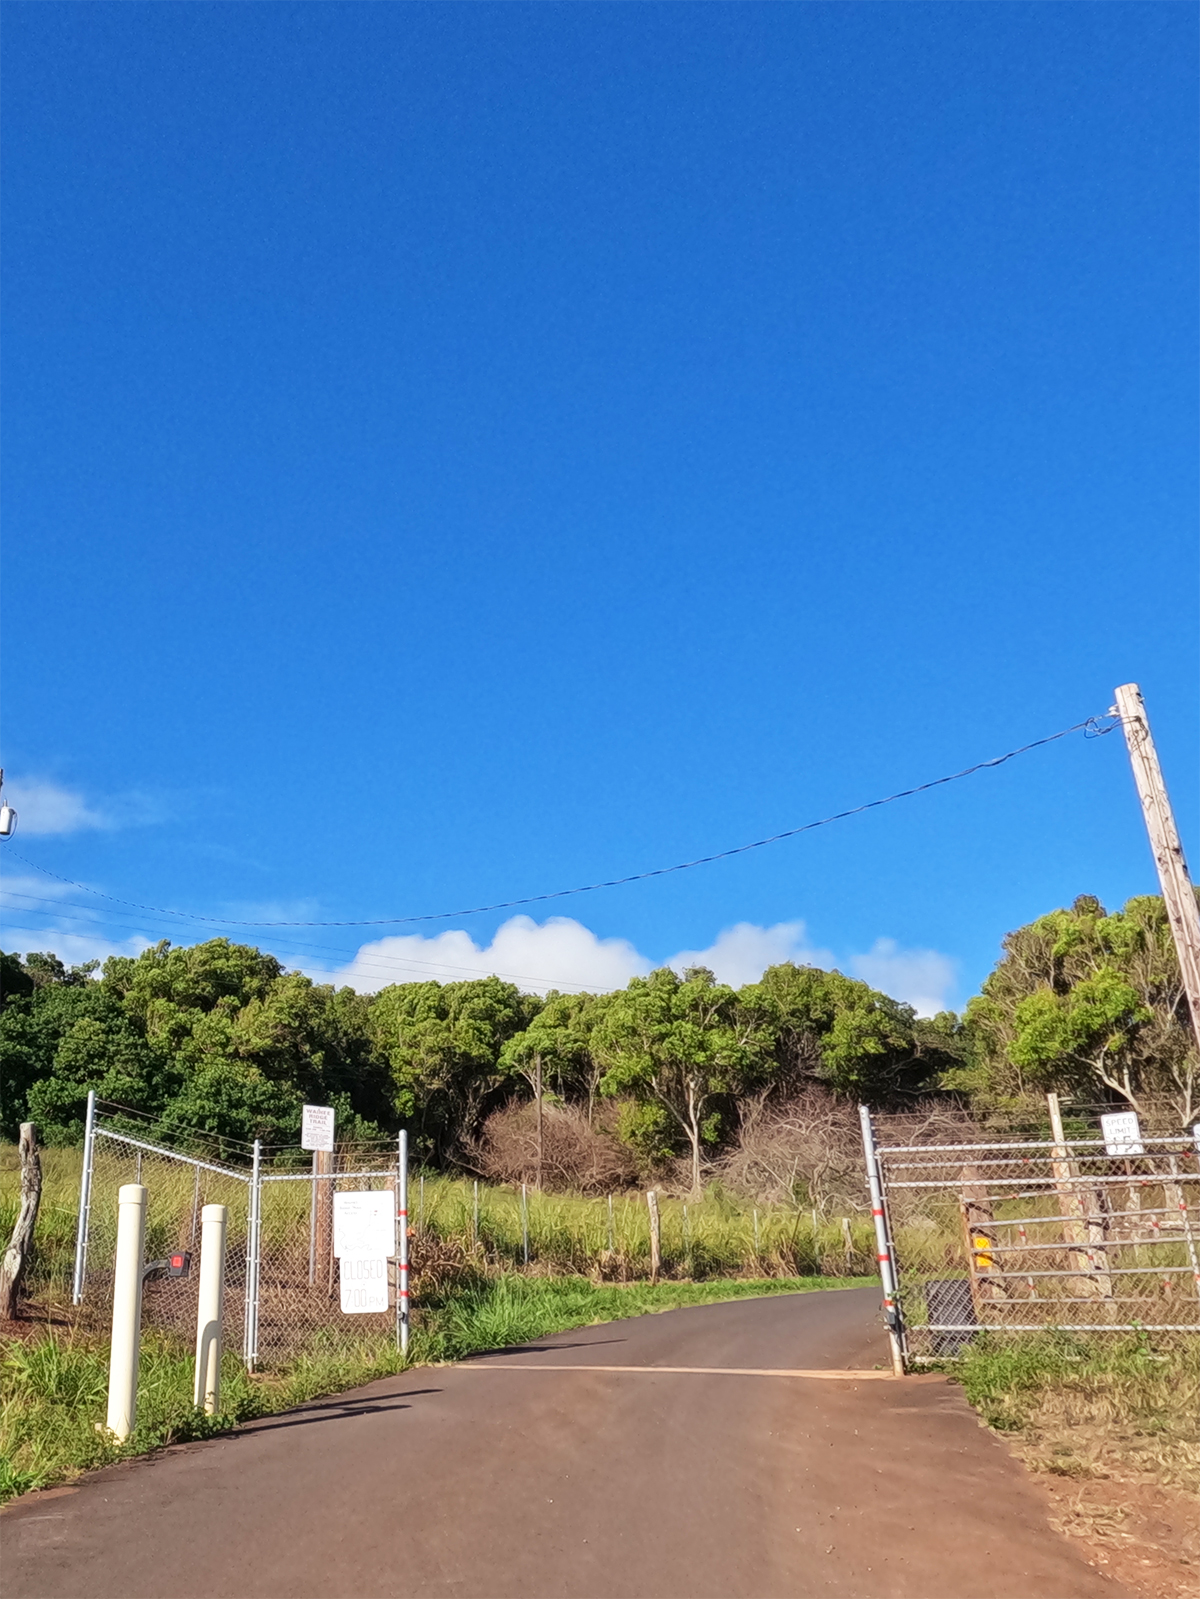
[(53, 1386), (1124, 1407)]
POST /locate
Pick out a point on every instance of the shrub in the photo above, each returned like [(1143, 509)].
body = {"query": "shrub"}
[(578, 1156)]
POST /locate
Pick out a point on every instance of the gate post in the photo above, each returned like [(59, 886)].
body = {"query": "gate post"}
[(402, 1243), (210, 1303), (253, 1227), (883, 1244), (85, 1200)]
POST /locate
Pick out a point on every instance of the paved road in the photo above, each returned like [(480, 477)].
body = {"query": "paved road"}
[(522, 1476)]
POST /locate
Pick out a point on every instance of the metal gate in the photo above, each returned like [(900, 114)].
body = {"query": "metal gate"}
[(981, 1233), (281, 1276)]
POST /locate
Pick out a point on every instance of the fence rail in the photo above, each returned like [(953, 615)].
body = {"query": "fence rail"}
[(277, 1302), (1006, 1236)]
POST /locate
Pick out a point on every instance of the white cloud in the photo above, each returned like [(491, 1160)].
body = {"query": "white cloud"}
[(73, 944), (71, 948), (43, 806), (537, 956), (559, 953), (742, 954), (923, 978), (562, 953)]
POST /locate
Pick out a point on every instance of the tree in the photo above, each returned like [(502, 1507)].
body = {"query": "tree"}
[(57, 1041), (99, 1048), (317, 1040), (679, 1044), (1087, 1002), (832, 1029), (443, 1044), (230, 1098), (556, 1044)]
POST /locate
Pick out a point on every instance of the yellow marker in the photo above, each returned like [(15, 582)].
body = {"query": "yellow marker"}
[(983, 1260)]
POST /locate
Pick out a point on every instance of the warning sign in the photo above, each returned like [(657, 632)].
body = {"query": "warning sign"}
[(364, 1283)]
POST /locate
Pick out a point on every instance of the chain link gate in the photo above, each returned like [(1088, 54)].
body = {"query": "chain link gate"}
[(281, 1277), (986, 1234), (178, 1187)]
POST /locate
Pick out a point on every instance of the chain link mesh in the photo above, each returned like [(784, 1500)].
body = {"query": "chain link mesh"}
[(282, 1298), (299, 1297), (1010, 1236), (178, 1188)]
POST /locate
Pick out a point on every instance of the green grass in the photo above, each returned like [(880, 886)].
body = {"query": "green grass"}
[(717, 1236), (53, 1387)]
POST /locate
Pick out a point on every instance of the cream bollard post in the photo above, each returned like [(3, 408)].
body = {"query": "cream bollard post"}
[(127, 1311), (214, 1219)]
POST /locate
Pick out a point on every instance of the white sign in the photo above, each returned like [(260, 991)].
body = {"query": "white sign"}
[(364, 1223), (1196, 1136), (1122, 1135), (364, 1283), (316, 1128)]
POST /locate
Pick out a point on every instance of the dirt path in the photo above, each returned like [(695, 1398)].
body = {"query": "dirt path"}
[(568, 1470)]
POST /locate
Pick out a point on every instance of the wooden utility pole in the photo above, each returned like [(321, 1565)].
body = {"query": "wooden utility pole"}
[(1178, 895)]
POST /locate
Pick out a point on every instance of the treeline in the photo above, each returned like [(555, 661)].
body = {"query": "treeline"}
[(219, 1037)]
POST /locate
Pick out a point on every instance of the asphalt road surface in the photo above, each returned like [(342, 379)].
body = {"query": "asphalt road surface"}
[(581, 1467)]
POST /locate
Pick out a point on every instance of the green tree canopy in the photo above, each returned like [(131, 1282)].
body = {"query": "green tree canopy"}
[(1088, 1003), (443, 1044), (836, 1030), (679, 1044)]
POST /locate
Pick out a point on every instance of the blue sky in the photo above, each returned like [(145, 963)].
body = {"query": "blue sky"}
[(454, 452)]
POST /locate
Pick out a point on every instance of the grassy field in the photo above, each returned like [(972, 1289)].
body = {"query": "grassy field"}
[(719, 1235), (53, 1384)]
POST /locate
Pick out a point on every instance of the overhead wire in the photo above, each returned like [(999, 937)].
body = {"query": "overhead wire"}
[(387, 964), (1091, 726)]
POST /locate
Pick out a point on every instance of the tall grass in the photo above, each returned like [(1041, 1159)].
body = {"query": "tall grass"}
[(719, 1235), (716, 1236), (53, 1387)]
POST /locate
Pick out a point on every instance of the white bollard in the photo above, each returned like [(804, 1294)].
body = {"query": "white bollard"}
[(127, 1311), (214, 1219)]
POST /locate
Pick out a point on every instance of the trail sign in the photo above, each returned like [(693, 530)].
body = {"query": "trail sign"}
[(364, 1223), (364, 1284), (316, 1127), (1122, 1133)]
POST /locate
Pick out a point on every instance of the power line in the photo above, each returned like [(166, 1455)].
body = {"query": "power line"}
[(100, 921), (1091, 726)]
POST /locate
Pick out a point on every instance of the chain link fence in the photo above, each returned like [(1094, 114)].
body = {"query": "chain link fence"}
[(283, 1293), (1001, 1235), (178, 1187), (282, 1288)]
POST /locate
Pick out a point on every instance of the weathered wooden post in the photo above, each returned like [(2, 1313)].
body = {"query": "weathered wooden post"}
[(1083, 1227), (655, 1236), (323, 1183), (20, 1247)]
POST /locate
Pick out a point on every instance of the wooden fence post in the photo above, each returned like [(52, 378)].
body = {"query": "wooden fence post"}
[(1083, 1227), (16, 1256), (323, 1252), (655, 1236)]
